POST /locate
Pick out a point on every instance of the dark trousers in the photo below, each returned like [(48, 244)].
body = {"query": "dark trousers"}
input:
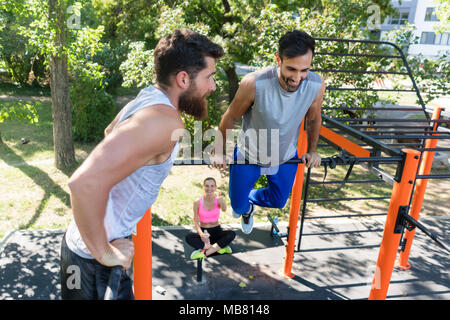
[(216, 235), (86, 279)]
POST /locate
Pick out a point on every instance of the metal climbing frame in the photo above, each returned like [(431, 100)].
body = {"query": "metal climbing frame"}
[(361, 141), (413, 140)]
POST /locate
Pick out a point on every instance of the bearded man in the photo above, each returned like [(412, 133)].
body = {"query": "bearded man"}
[(121, 178)]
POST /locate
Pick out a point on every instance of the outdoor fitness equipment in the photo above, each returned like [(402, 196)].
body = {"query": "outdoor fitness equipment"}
[(369, 142)]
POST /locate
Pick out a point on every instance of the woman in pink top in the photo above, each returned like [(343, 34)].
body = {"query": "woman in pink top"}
[(209, 236)]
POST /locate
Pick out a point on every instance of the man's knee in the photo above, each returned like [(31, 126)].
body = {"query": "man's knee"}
[(278, 203)]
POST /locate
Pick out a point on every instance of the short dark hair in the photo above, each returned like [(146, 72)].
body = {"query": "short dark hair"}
[(183, 50), (295, 43)]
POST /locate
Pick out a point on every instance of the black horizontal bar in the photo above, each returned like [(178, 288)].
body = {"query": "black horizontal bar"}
[(346, 216), (373, 108), (341, 232), (341, 248), (358, 55), (339, 161), (433, 176), (397, 131), (365, 126), (389, 120), (359, 71), (432, 149), (368, 89), (407, 136), (365, 138), (348, 199), (405, 144), (348, 181)]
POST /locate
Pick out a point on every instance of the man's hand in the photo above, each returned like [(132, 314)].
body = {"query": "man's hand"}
[(219, 161), (311, 160), (119, 253)]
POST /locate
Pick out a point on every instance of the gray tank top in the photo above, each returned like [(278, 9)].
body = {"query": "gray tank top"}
[(271, 126), (130, 198)]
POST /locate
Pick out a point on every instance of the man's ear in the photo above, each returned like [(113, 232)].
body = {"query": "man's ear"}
[(183, 79), (278, 59)]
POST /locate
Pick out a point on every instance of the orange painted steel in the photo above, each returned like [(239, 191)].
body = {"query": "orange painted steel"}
[(419, 193), (296, 197), (344, 143), (142, 261), (401, 194)]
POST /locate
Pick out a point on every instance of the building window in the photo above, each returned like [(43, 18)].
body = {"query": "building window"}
[(400, 17), (430, 15), (435, 38)]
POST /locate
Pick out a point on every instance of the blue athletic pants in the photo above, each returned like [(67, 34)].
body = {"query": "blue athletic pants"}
[(243, 178)]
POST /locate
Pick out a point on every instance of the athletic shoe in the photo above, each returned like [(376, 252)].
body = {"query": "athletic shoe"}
[(197, 254), (238, 215), (227, 249), (247, 221)]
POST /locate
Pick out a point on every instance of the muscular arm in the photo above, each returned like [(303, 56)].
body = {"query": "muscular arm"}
[(243, 100), (313, 125), (113, 123), (131, 145)]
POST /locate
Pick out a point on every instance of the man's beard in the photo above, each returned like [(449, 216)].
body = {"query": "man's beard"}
[(289, 88), (193, 104)]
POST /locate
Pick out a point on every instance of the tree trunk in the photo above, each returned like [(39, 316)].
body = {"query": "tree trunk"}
[(60, 91), (233, 82)]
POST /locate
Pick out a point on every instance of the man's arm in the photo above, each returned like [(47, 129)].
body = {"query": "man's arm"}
[(242, 101), (131, 145), (313, 124), (113, 123)]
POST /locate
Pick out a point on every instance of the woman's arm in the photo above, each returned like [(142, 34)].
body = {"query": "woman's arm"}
[(222, 203), (196, 219)]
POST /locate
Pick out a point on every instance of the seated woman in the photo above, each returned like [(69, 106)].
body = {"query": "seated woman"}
[(210, 237)]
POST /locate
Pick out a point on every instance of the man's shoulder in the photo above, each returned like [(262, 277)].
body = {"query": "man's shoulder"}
[(314, 77), (266, 73), (160, 113)]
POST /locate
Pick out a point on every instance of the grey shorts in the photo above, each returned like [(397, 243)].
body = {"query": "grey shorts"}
[(86, 279)]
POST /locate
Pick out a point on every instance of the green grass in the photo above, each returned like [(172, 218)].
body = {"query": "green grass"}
[(11, 89), (34, 194)]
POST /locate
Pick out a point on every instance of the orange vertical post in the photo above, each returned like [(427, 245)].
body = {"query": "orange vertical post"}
[(142, 261), (419, 193), (296, 196), (401, 193)]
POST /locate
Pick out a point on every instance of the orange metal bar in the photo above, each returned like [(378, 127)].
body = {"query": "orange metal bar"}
[(344, 143), (142, 261), (401, 194), (419, 193), (296, 197)]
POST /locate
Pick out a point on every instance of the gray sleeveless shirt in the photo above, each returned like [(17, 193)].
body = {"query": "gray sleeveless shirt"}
[(130, 198), (271, 126)]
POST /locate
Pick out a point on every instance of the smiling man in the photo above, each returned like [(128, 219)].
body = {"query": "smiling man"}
[(121, 177), (273, 103)]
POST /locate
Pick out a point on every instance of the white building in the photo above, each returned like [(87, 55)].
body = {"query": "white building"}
[(422, 14)]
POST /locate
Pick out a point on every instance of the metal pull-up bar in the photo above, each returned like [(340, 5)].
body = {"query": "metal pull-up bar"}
[(401, 194)]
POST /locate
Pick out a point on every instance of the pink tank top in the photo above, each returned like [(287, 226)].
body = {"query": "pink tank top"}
[(209, 215)]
